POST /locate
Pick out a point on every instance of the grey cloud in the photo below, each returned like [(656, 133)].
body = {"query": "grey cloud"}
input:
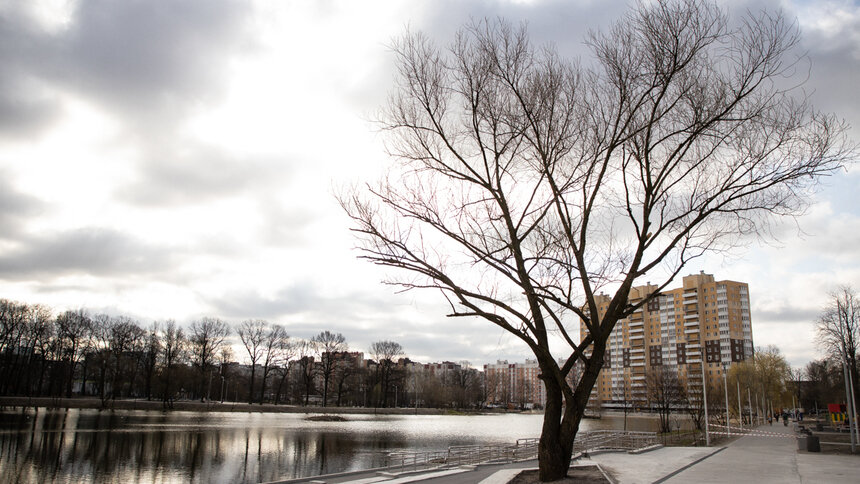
[(297, 299), (175, 175), (24, 110), (285, 226), (146, 57), (147, 61), (25, 106), (790, 314), (90, 251), (15, 209)]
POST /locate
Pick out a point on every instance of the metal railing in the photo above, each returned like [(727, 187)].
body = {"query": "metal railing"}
[(523, 449), (613, 440)]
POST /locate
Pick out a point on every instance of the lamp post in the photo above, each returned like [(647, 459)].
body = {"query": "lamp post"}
[(705, 401), (726, 389), (848, 401), (749, 400), (740, 405)]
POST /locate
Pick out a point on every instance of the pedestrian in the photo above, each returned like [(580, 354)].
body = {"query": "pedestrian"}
[(770, 420)]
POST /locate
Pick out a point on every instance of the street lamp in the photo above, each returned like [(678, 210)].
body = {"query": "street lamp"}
[(705, 400), (726, 389), (740, 405)]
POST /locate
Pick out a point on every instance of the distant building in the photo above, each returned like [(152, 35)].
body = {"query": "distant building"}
[(517, 384), (676, 329), (442, 370)]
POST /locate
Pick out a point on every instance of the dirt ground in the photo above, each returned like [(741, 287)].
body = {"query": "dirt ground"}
[(578, 474)]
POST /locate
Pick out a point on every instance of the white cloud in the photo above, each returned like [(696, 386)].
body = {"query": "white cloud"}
[(176, 160)]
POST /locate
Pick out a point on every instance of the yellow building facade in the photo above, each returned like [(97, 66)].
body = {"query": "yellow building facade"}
[(704, 322)]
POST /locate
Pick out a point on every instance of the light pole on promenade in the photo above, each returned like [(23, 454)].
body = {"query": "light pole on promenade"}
[(740, 404), (749, 400), (726, 389), (705, 401), (849, 400)]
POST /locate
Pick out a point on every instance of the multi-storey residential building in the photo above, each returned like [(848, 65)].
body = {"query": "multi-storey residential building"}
[(442, 370), (517, 384), (514, 384), (676, 329)]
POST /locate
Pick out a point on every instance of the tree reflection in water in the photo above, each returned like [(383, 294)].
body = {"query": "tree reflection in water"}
[(79, 445)]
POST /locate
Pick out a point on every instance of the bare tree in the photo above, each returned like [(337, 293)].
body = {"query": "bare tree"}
[(530, 183), (278, 350), (329, 345), (252, 333), (838, 330), (304, 364), (150, 357), (75, 330), (665, 394), (175, 347), (825, 383), (207, 337), (125, 336), (385, 353), (225, 356)]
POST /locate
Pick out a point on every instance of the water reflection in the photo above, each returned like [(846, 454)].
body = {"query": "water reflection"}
[(78, 445)]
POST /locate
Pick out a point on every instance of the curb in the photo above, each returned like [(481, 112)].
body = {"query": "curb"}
[(691, 464)]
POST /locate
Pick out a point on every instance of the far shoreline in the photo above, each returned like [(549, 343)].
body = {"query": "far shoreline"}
[(215, 406)]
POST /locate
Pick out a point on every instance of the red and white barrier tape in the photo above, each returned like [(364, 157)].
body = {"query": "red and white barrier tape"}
[(751, 433)]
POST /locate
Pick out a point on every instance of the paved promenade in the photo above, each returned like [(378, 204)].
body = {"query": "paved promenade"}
[(771, 459), (769, 455)]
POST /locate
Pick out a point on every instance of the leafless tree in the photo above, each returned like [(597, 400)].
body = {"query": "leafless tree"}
[(45, 343), (125, 336), (75, 330), (385, 353), (175, 348), (13, 324), (329, 346), (207, 337), (150, 357), (530, 183), (665, 394), (278, 351), (252, 333), (838, 330), (225, 357), (306, 350)]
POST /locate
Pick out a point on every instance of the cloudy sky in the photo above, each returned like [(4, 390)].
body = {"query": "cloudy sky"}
[(178, 158)]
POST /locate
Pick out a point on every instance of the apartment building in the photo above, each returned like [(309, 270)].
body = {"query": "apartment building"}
[(704, 322), (517, 384)]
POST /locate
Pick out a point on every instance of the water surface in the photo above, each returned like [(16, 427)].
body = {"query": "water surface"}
[(129, 446)]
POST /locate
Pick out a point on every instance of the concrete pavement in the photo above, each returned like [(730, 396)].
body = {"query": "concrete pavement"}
[(768, 455)]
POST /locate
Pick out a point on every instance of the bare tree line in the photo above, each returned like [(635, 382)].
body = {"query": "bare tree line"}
[(110, 357)]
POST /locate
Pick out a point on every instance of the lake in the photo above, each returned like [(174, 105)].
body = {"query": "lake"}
[(39, 445)]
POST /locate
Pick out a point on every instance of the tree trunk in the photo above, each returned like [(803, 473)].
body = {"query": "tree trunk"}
[(554, 449), (561, 422), (251, 384), (263, 383)]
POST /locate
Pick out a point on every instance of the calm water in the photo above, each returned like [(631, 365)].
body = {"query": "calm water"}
[(44, 446)]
